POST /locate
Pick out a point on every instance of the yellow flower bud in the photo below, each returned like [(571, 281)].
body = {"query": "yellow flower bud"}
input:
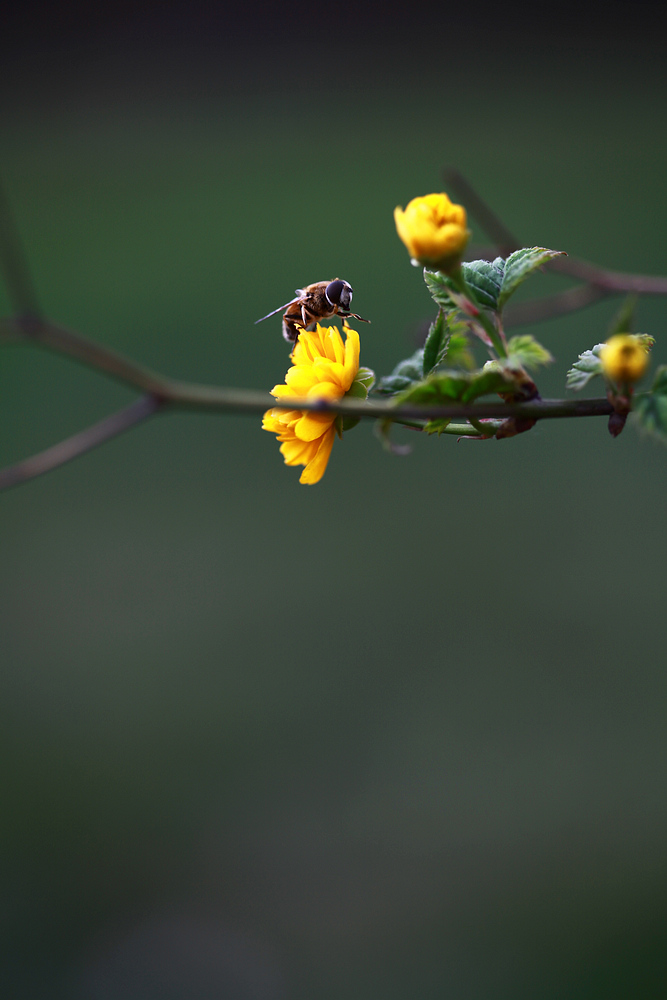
[(434, 230), (624, 358)]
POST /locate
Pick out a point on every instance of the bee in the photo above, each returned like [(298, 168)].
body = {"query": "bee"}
[(314, 303)]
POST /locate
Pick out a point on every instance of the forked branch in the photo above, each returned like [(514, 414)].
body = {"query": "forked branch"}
[(599, 283)]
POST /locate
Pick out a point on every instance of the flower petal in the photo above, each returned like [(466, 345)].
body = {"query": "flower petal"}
[(325, 390), (313, 425), (336, 348), (351, 366), (297, 452), (316, 467), (300, 378), (325, 370), (283, 390)]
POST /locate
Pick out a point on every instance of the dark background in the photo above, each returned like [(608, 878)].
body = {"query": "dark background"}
[(400, 734)]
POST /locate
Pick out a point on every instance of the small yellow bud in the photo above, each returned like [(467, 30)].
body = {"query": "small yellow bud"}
[(624, 358), (434, 230)]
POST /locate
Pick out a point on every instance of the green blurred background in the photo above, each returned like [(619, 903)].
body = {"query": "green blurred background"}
[(401, 734)]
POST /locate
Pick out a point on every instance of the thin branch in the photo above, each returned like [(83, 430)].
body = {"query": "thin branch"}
[(614, 282), (200, 397), (551, 306), (86, 351), (79, 443)]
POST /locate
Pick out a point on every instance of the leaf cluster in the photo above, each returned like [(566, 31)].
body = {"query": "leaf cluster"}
[(444, 369)]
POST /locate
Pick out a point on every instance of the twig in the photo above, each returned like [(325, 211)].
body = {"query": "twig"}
[(86, 351), (200, 397), (551, 306), (613, 282), (79, 443)]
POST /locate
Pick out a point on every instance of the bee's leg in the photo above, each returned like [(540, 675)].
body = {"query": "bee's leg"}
[(290, 332), (309, 320)]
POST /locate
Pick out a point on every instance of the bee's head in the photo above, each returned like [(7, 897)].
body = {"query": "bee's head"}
[(339, 293)]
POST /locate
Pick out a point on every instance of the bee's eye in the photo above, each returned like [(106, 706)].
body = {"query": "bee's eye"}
[(339, 293)]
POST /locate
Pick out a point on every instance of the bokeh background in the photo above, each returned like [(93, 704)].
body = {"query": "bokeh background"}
[(401, 734)]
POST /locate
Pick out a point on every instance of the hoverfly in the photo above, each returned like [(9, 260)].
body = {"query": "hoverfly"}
[(313, 303)]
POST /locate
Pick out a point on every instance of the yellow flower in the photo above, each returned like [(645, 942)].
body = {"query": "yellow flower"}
[(324, 368), (434, 230), (624, 358)]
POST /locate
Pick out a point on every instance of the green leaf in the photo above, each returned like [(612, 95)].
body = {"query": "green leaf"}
[(357, 391), (650, 408), (363, 383), (437, 344), (404, 374), (459, 353), (441, 387), (489, 380), (440, 285), (389, 385), (624, 320), (485, 280), (491, 282), (586, 368), (411, 367), (525, 352), (483, 277), (447, 386), (520, 265)]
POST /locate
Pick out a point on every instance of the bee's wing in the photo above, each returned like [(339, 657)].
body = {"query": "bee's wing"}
[(280, 308)]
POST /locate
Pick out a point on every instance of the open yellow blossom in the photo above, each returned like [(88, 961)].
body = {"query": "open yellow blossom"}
[(434, 230), (324, 368), (624, 358)]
